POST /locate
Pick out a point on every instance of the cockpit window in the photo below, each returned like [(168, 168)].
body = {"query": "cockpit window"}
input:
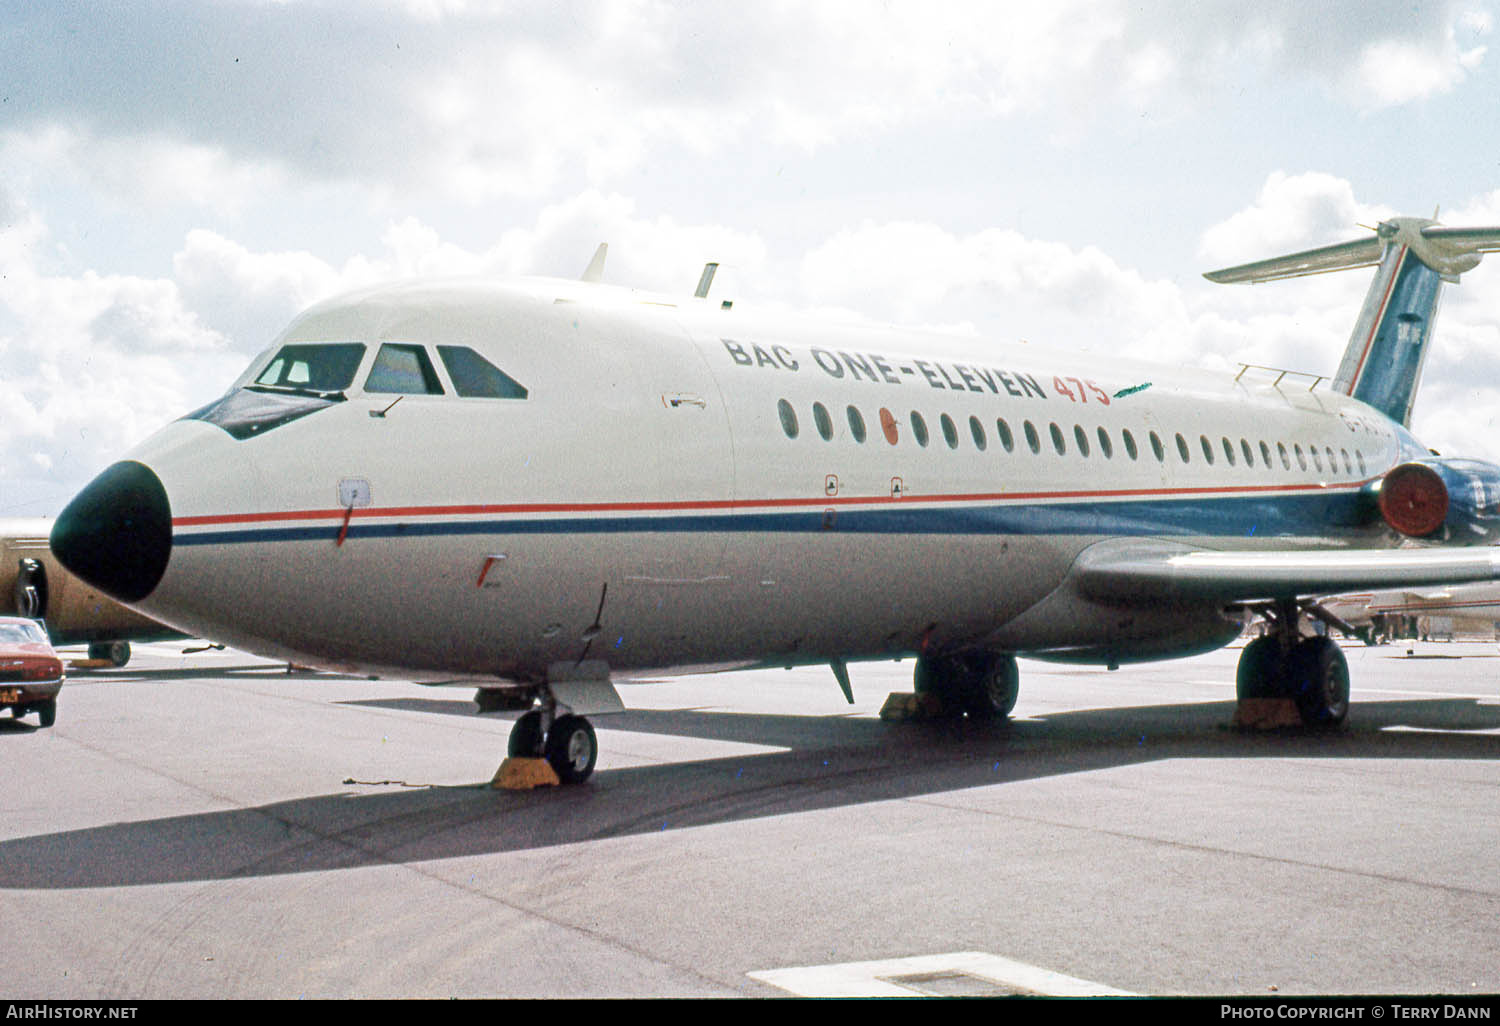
[(474, 377), (315, 367), (405, 369)]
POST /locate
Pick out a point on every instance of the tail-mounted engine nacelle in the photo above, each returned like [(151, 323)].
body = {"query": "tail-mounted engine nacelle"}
[(1448, 500)]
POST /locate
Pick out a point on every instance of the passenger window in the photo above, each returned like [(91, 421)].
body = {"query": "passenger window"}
[(919, 428), (318, 367), (1057, 438), (1182, 447), (823, 421), (1130, 449), (856, 425), (474, 377), (1249, 453), (1208, 449), (950, 431), (1265, 454), (1082, 438), (788, 417), (1006, 438), (404, 369), (1286, 463), (1228, 451), (977, 430), (1158, 448), (1031, 437), (1301, 456)]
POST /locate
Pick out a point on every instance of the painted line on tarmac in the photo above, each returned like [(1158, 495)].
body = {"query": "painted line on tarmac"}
[(959, 973)]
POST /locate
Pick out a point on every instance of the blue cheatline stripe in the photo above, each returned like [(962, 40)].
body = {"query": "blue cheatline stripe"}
[(1322, 514)]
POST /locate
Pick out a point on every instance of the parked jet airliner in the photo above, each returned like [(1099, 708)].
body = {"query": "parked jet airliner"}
[(537, 484), (34, 586)]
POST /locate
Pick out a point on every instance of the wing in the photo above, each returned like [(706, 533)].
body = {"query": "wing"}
[(1168, 572)]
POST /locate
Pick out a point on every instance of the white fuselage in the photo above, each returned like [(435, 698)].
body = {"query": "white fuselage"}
[(647, 504)]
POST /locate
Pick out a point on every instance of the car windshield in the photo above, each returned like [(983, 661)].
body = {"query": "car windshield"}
[(313, 367), (17, 633)]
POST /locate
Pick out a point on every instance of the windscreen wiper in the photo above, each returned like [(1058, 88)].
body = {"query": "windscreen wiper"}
[(336, 395)]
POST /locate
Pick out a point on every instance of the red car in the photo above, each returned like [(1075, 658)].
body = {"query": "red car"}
[(31, 675)]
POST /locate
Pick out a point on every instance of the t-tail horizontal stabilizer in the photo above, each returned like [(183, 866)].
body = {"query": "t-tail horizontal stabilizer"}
[(1413, 256)]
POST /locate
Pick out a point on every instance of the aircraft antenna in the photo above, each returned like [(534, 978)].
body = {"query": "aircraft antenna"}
[(594, 629), (595, 270), (705, 280)]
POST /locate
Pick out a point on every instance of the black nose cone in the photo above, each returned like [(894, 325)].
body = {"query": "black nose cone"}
[(117, 533)]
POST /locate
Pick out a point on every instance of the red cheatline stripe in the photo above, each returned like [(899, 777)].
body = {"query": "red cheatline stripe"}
[(707, 505)]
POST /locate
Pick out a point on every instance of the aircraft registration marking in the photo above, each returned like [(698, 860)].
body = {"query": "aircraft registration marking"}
[(932, 975)]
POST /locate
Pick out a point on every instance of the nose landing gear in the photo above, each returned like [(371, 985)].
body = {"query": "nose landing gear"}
[(567, 744), (552, 743)]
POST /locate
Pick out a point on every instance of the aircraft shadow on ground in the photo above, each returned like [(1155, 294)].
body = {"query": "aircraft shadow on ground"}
[(828, 762), (249, 671)]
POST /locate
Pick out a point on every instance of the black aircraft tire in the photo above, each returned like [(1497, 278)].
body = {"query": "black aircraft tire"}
[(1261, 673), (934, 677), (1320, 675), (983, 685), (526, 737), (572, 749), (992, 692), (944, 680), (116, 652)]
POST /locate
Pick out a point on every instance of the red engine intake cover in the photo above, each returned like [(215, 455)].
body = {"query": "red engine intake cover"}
[(1414, 500)]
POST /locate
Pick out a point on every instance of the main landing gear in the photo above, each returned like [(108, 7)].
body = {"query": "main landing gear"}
[(567, 743), (116, 653), (1311, 671), (978, 684)]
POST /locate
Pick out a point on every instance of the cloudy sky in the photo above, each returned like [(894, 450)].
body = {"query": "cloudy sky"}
[(177, 180)]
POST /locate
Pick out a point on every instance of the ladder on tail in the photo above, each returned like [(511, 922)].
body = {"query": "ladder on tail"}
[(1413, 257)]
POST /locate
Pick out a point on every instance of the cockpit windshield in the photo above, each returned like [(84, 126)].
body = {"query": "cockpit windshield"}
[(302, 378), (312, 367)]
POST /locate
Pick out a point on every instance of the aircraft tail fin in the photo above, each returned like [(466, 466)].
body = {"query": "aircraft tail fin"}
[(595, 270), (1413, 257)]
